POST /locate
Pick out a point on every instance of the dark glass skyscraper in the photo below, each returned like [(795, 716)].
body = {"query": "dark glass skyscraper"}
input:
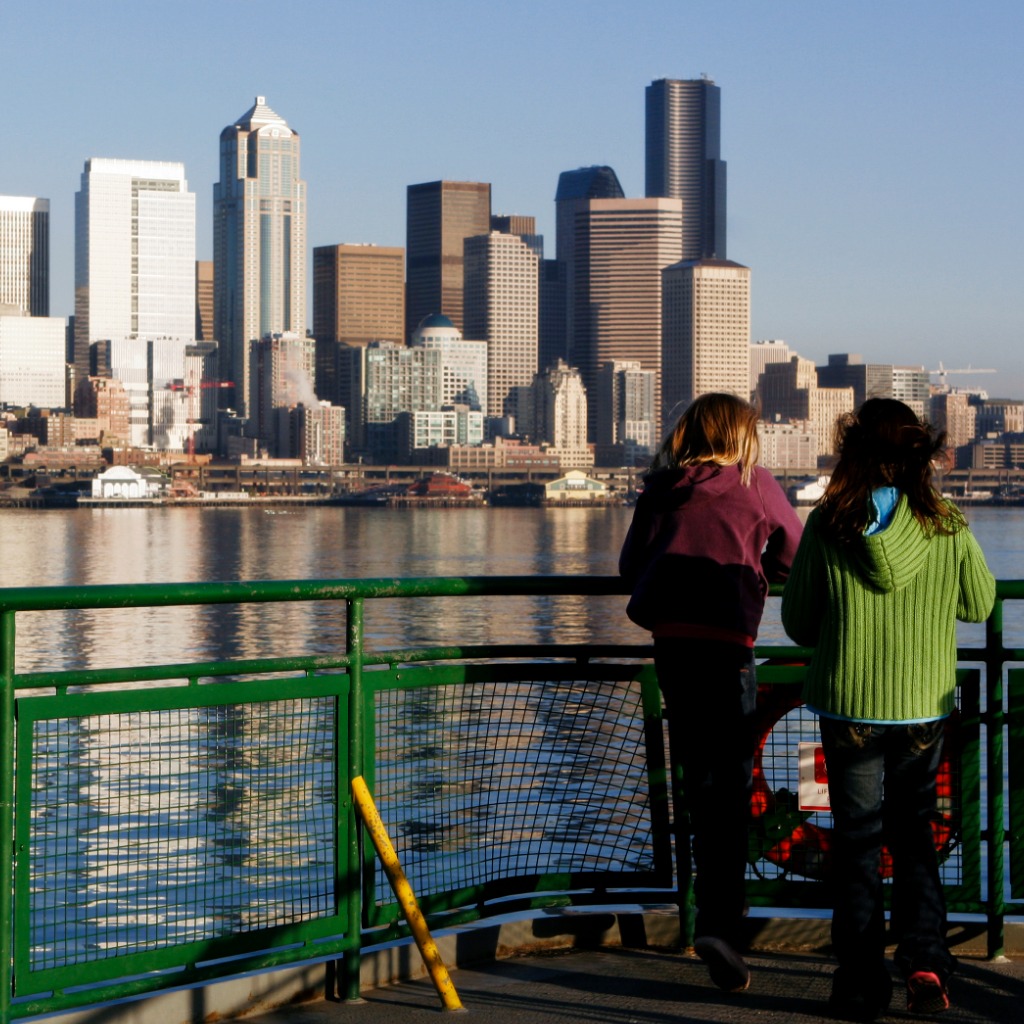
[(440, 216), (683, 159), (575, 189)]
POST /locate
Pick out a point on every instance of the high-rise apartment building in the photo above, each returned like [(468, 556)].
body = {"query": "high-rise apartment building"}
[(912, 386), (627, 425), (282, 370), (25, 254), (501, 309), (559, 414), (313, 433), (259, 240), (463, 362), (706, 333), (683, 130), (135, 254), (620, 249), (440, 216), (953, 412), (385, 380)]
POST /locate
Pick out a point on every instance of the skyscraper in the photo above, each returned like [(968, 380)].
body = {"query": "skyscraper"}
[(501, 309), (204, 300), (575, 189), (25, 254), (358, 297), (706, 332), (620, 248), (440, 216), (683, 159), (358, 294), (259, 240), (135, 253)]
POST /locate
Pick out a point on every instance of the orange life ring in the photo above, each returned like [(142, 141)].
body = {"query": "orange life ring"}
[(784, 835)]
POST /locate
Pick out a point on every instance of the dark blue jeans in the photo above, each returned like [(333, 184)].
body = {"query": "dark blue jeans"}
[(881, 782), (710, 691)]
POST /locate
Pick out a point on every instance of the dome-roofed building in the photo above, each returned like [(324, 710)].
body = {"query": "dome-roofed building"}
[(463, 363)]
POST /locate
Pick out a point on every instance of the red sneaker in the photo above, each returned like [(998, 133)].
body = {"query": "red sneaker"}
[(926, 993)]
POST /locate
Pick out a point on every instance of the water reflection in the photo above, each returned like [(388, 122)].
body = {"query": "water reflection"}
[(500, 780), (155, 828)]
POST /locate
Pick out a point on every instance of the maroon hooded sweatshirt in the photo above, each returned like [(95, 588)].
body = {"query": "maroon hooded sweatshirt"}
[(702, 549)]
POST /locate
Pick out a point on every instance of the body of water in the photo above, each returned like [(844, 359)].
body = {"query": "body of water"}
[(77, 547)]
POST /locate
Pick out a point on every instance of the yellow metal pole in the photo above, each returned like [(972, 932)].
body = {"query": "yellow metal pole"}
[(406, 898)]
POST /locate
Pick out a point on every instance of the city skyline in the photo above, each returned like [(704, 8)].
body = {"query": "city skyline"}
[(871, 190)]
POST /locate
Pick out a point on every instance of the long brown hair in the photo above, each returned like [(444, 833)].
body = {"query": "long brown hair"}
[(716, 428), (884, 444)]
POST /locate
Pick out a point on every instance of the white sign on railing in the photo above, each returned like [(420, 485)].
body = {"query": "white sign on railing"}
[(813, 778)]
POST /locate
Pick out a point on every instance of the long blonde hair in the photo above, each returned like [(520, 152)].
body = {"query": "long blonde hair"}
[(716, 428)]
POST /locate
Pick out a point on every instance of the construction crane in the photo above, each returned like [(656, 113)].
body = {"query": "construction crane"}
[(943, 372), (190, 393)]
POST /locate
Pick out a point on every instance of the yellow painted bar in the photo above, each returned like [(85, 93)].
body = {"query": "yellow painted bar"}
[(406, 898)]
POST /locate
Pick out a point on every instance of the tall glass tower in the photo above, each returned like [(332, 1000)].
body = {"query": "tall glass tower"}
[(259, 241), (683, 159)]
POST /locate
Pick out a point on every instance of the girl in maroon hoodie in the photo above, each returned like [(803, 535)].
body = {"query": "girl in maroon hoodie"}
[(710, 531)]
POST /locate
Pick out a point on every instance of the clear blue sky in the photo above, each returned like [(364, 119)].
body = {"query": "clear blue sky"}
[(874, 147)]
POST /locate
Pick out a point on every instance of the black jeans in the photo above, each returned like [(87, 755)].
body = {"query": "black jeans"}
[(881, 781), (710, 691)]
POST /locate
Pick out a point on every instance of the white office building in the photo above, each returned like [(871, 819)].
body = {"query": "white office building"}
[(705, 333), (32, 361), (25, 254), (135, 254), (500, 302)]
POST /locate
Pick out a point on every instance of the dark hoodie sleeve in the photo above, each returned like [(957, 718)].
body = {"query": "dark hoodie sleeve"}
[(785, 527), (633, 557)]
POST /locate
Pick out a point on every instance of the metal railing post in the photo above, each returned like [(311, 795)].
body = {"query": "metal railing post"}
[(994, 719), (7, 815), (346, 803)]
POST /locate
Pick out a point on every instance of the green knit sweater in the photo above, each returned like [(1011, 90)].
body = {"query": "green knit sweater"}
[(881, 617)]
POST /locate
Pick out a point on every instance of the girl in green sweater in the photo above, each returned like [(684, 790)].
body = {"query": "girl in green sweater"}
[(884, 569)]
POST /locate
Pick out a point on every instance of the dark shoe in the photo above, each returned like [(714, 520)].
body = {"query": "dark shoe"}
[(860, 996), (926, 993), (727, 968)]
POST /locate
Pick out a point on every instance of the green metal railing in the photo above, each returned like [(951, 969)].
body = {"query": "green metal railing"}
[(178, 823)]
